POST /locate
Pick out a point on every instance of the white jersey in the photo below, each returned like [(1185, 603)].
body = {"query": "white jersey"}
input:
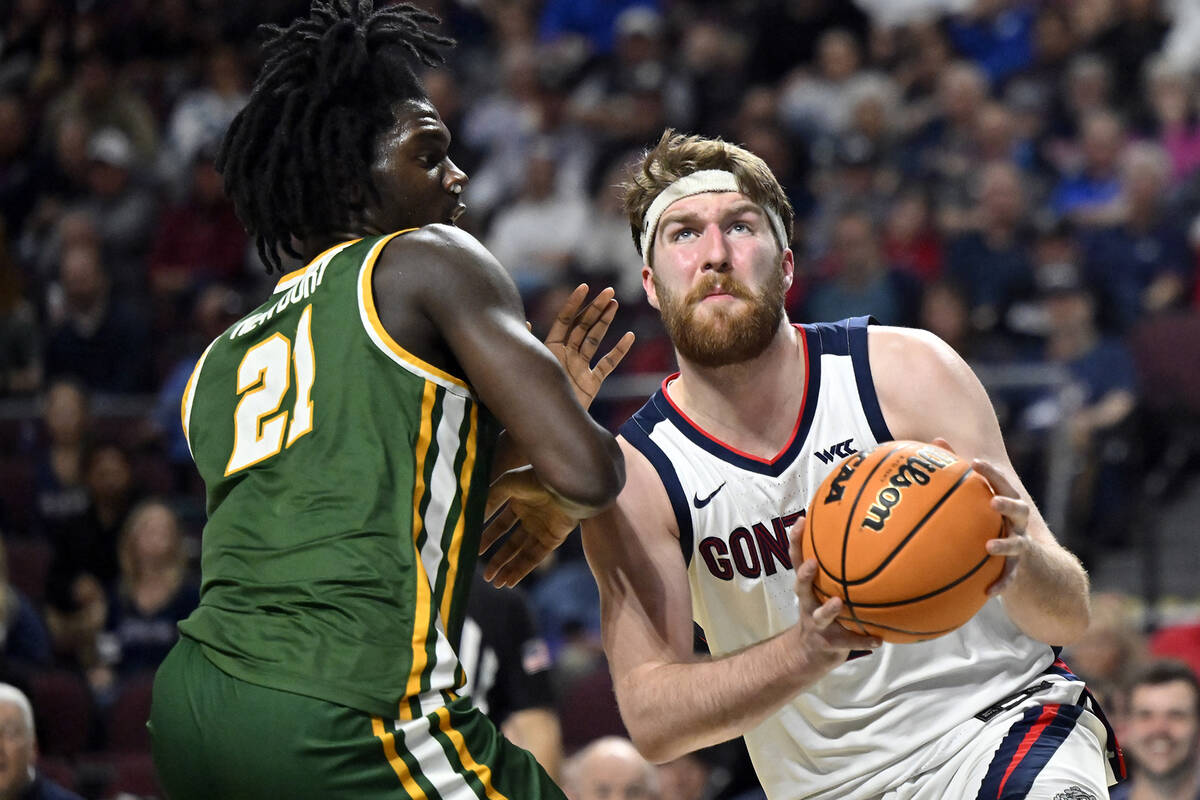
[(877, 720)]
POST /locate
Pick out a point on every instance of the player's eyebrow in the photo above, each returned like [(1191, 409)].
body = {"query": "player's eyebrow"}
[(432, 131)]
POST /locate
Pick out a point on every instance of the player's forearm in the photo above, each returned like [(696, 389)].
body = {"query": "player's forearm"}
[(673, 709), (1048, 598)]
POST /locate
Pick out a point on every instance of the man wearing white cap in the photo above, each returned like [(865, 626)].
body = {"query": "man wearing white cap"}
[(721, 463)]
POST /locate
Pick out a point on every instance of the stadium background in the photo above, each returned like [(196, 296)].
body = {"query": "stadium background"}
[(1019, 177)]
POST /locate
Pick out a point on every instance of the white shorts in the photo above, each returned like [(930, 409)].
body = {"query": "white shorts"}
[(1044, 748)]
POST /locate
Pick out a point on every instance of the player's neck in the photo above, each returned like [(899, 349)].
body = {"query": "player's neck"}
[(753, 404)]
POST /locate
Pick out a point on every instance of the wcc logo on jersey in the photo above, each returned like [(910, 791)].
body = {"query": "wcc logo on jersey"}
[(750, 550), (836, 452)]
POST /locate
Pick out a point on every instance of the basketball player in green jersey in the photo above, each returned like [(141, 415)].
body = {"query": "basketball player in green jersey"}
[(345, 431)]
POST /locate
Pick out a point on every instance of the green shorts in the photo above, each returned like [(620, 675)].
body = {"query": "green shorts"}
[(215, 736)]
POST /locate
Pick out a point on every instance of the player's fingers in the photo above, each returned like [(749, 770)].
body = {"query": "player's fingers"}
[(1009, 547), (842, 638), (805, 598), (598, 329), (590, 316), (827, 613), (613, 357), (1015, 511), (495, 530), (795, 535), (507, 552), (520, 566), (942, 443), (566, 315), (1001, 485)]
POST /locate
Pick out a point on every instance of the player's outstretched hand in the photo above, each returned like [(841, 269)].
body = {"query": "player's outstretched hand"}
[(829, 644), (575, 337), (1015, 544), (541, 524)]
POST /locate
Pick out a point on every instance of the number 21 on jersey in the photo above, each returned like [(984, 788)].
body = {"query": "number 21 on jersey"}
[(263, 378)]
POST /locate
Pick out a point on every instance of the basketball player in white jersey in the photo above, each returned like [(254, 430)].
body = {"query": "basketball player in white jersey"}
[(721, 463)]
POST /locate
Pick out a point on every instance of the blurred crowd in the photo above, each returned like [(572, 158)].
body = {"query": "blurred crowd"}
[(1021, 177)]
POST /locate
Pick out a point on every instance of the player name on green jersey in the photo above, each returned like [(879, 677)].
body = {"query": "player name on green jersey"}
[(346, 481)]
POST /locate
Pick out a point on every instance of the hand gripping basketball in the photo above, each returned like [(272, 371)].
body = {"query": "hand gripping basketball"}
[(1015, 544), (816, 620)]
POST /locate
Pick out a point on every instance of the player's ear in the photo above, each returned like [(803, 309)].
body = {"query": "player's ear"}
[(789, 268), (648, 286)]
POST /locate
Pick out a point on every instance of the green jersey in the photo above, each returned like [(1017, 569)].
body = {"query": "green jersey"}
[(346, 484)]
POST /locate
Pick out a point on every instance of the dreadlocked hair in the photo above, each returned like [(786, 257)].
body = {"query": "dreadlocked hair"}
[(296, 160)]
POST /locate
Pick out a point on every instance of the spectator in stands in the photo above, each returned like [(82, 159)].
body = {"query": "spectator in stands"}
[(861, 281), (610, 768), (1105, 384), (508, 670), (1162, 735), (606, 101), (25, 639), (1142, 265), (1090, 195), (124, 209), (1170, 95), (64, 184), (85, 545), (603, 255), (851, 175), (593, 23), (1112, 649), (910, 240), (19, 778), (201, 116), (96, 96), (818, 103), (199, 240), (991, 262), (943, 152), (533, 238), (997, 35), (100, 339), (685, 778), (153, 593), (59, 474)]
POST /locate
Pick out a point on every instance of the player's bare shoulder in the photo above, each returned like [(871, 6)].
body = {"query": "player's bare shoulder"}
[(442, 254), (914, 372)]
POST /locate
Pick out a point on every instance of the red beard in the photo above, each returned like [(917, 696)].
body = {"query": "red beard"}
[(723, 336)]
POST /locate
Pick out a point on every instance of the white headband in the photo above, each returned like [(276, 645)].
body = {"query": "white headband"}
[(699, 182)]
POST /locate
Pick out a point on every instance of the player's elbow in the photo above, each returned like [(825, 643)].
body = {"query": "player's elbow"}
[(1073, 622), (656, 746)]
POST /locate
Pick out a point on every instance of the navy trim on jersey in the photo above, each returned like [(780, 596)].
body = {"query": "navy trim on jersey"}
[(849, 338), (857, 334), (1025, 751), (637, 432), (773, 468)]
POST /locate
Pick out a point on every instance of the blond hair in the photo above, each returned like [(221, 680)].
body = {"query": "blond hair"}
[(677, 155)]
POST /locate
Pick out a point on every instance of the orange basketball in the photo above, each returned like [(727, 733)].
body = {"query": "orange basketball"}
[(898, 533)]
